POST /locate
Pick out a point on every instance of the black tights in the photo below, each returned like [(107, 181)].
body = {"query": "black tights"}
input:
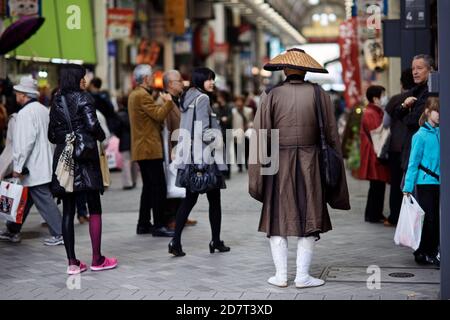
[(95, 209), (215, 214)]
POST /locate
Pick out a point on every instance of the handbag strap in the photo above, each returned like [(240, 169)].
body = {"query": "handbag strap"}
[(66, 112), (319, 113)]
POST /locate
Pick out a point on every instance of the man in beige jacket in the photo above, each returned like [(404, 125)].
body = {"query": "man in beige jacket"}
[(146, 120)]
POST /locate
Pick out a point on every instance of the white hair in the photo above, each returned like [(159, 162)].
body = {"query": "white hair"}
[(142, 71), (167, 75)]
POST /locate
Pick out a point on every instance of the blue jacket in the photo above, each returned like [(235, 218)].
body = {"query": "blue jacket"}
[(425, 151)]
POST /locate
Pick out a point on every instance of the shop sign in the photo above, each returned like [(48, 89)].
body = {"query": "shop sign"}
[(415, 14), (67, 25), (183, 44), (120, 23), (24, 8), (175, 16), (348, 43)]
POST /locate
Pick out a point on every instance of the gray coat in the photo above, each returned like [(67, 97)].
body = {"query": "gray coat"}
[(208, 131)]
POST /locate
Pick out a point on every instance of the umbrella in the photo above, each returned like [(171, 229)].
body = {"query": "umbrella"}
[(18, 32)]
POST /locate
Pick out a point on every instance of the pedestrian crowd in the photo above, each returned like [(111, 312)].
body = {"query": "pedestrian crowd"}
[(58, 153)]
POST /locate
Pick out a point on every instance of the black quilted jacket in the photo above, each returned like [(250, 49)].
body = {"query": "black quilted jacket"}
[(87, 174)]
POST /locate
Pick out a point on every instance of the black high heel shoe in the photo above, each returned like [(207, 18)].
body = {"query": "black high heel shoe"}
[(218, 246), (176, 250)]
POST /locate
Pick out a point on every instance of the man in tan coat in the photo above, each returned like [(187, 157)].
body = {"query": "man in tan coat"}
[(146, 119), (294, 201)]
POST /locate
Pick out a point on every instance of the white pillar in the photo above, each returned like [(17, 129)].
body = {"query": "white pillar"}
[(169, 58), (101, 43), (236, 57), (2, 57)]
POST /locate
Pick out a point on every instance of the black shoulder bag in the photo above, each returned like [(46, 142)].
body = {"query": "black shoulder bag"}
[(85, 145), (330, 160), (200, 178)]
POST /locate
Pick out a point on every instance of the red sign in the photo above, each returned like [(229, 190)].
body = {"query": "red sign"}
[(348, 43), (120, 23)]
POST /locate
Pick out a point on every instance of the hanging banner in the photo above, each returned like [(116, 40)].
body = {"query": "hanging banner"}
[(348, 43), (120, 23)]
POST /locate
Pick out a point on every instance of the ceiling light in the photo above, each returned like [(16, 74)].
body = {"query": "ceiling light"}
[(332, 17), (316, 17), (313, 2)]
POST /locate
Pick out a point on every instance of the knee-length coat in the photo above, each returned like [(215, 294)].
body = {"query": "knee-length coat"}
[(294, 203)]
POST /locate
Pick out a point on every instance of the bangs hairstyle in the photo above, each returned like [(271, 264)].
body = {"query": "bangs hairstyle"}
[(431, 105), (200, 75), (70, 77)]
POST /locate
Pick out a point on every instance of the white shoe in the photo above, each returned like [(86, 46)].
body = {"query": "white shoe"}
[(309, 282), (277, 282)]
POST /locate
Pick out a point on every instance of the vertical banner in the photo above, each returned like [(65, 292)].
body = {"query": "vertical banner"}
[(348, 43), (175, 15)]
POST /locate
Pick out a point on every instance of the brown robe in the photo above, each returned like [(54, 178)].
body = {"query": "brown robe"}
[(293, 199)]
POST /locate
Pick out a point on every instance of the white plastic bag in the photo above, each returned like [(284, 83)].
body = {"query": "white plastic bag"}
[(173, 192), (410, 223)]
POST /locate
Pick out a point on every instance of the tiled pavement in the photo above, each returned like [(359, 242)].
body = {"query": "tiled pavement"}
[(30, 270)]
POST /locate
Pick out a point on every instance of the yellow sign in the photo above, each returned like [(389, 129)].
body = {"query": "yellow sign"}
[(175, 14)]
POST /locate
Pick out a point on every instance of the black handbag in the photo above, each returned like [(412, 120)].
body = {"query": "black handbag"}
[(85, 145), (330, 160), (200, 178)]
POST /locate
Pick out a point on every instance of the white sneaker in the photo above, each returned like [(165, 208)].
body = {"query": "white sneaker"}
[(309, 282), (277, 282), (54, 241)]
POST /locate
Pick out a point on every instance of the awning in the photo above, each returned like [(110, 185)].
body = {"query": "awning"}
[(66, 36)]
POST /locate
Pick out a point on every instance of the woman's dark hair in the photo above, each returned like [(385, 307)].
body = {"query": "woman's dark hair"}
[(200, 75), (374, 92), (70, 77)]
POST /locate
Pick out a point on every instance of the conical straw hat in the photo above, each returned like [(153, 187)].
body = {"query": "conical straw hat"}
[(295, 59)]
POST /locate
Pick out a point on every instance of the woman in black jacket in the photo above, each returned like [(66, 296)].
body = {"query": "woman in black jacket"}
[(87, 173)]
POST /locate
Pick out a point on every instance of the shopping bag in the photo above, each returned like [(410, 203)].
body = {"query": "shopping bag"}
[(410, 223), (65, 168), (170, 171), (381, 138), (13, 199), (104, 165), (172, 190)]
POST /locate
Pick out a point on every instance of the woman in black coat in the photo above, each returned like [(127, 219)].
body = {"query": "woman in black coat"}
[(87, 173)]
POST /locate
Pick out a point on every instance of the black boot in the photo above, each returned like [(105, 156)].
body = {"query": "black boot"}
[(218, 246), (176, 249)]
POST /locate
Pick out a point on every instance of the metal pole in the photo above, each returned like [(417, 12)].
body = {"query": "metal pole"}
[(444, 95)]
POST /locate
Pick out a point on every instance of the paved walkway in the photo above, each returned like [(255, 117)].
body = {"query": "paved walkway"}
[(30, 270)]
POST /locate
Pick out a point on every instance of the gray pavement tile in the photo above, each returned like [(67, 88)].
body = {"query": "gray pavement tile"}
[(147, 271)]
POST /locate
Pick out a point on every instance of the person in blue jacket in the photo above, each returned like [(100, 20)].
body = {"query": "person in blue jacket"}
[(424, 174)]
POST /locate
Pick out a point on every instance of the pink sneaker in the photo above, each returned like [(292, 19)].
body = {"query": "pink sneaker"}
[(74, 269), (109, 263)]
